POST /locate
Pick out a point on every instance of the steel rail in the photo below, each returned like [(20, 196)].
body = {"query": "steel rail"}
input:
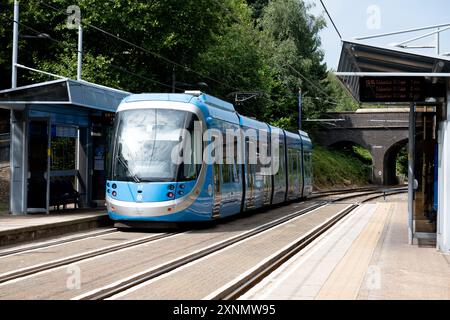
[(109, 291), (244, 284), (50, 243), (128, 283), (76, 258), (102, 294)]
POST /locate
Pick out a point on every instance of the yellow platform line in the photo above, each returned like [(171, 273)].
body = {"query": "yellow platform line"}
[(345, 281)]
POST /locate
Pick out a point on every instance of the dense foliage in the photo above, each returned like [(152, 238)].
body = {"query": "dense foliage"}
[(270, 47), (402, 162), (334, 169)]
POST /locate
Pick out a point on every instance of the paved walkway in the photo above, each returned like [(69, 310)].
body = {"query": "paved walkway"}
[(365, 256), (26, 228), (10, 222)]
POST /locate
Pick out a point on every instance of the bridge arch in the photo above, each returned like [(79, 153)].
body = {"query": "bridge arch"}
[(390, 161), (381, 131), (337, 140)]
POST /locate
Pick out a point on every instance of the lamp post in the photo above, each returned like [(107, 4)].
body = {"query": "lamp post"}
[(80, 51)]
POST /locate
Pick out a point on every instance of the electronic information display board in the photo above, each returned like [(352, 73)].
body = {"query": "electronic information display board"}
[(389, 89)]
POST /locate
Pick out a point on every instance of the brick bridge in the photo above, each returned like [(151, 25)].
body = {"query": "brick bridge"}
[(381, 131)]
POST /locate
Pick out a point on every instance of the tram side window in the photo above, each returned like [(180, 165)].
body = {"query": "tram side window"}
[(190, 171), (263, 151), (225, 173), (299, 164), (291, 168), (227, 168), (308, 164), (226, 178), (235, 165), (251, 167), (294, 161), (279, 177)]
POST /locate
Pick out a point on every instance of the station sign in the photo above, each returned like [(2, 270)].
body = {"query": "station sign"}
[(389, 89)]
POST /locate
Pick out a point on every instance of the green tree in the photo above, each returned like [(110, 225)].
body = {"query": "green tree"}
[(343, 101), (291, 37), (267, 46), (237, 58), (257, 7), (173, 29)]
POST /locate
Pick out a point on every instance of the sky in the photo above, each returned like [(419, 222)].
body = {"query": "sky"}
[(356, 18)]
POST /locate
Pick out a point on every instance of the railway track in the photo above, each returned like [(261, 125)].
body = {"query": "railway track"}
[(126, 284), (343, 191), (77, 237), (249, 280), (55, 242), (165, 268), (76, 258)]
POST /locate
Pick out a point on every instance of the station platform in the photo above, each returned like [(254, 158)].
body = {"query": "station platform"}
[(366, 256), (26, 228)]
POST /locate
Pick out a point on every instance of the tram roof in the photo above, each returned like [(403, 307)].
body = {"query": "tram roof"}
[(182, 97), (64, 92), (357, 56), (177, 97)]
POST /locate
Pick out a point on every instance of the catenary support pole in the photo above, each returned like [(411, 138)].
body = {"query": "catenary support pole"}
[(300, 102), (15, 44)]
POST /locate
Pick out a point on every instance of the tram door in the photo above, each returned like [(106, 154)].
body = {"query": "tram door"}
[(38, 166)]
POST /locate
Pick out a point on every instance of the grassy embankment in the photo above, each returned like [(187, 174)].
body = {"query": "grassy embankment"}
[(339, 169)]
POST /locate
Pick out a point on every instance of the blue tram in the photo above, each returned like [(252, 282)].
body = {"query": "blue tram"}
[(147, 185)]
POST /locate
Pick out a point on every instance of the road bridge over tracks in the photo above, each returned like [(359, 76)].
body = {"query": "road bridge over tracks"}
[(381, 131)]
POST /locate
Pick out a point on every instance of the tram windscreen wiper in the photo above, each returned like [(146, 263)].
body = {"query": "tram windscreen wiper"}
[(125, 165)]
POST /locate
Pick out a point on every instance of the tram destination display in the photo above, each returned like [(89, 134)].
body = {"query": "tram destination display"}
[(375, 89)]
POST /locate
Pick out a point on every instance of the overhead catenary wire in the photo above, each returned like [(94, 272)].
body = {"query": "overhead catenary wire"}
[(317, 87), (37, 32), (153, 53), (167, 60), (346, 129), (289, 65), (331, 19), (176, 63), (335, 102)]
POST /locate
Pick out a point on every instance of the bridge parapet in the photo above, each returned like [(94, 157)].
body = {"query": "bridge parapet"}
[(370, 118)]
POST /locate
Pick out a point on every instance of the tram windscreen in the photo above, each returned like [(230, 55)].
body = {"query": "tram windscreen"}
[(145, 140)]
